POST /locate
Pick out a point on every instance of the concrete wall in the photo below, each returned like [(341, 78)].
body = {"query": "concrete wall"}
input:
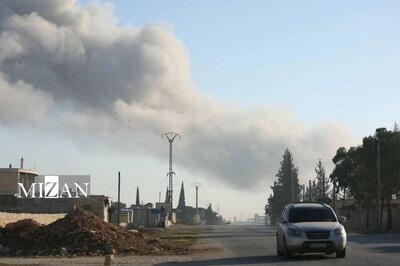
[(144, 217), (141, 217), (8, 182), (357, 217), (98, 204)]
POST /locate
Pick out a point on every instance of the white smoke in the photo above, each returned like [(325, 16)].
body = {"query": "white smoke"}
[(61, 61)]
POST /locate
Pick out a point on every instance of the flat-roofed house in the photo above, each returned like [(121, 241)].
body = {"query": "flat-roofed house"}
[(10, 177)]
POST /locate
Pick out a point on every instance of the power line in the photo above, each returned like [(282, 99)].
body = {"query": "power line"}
[(116, 114), (30, 36), (184, 164), (187, 161)]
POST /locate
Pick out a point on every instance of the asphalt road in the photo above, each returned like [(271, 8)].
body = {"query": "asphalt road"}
[(255, 245)]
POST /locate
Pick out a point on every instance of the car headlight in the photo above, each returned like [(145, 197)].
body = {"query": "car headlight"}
[(294, 231), (338, 231)]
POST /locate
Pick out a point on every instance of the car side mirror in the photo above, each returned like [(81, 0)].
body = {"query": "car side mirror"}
[(342, 219)]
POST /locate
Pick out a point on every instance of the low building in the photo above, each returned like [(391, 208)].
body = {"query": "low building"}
[(10, 177), (143, 216)]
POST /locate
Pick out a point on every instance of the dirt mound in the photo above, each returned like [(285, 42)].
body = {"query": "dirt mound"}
[(79, 233), (22, 227)]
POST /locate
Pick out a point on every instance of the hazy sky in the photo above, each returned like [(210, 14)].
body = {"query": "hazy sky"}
[(322, 59), (89, 90)]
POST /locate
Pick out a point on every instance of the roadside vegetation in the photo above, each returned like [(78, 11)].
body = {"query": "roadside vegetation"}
[(356, 171), (354, 177)]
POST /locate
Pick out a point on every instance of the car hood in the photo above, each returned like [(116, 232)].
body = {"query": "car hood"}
[(316, 226)]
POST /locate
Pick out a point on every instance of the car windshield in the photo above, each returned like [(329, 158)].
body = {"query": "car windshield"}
[(303, 214)]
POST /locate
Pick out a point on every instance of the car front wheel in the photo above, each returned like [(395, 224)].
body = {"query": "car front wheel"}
[(286, 252), (341, 254)]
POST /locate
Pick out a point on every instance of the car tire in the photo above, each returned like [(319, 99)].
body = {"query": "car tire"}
[(341, 254), (279, 253), (286, 252)]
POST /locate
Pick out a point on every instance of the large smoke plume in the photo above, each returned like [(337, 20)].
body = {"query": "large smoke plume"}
[(75, 68)]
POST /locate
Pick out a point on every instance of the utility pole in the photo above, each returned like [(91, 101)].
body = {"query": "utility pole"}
[(197, 185), (291, 175), (171, 137), (323, 187), (314, 190), (377, 131), (119, 195), (310, 190)]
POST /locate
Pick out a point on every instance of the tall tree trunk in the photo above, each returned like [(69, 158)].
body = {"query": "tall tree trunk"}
[(368, 217)]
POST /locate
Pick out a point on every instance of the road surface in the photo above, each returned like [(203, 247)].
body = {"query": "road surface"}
[(244, 245), (255, 245)]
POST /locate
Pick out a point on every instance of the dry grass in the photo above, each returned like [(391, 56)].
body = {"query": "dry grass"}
[(176, 240)]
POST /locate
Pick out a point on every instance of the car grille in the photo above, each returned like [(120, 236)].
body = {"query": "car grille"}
[(318, 235)]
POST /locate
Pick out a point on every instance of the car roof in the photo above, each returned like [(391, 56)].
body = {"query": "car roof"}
[(308, 205)]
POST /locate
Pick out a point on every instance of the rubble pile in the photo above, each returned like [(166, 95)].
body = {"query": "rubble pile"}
[(22, 227), (79, 233), (151, 231), (13, 232)]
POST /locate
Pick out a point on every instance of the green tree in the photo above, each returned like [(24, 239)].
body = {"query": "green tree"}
[(356, 171), (212, 217), (287, 183), (322, 185), (342, 171), (390, 168), (310, 195)]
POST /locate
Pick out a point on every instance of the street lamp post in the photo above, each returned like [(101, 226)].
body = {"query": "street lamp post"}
[(379, 130)]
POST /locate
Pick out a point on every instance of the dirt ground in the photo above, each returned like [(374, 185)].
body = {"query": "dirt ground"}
[(183, 236), (6, 217), (81, 233)]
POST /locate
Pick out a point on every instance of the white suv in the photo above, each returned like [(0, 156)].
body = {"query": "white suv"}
[(310, 228)]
